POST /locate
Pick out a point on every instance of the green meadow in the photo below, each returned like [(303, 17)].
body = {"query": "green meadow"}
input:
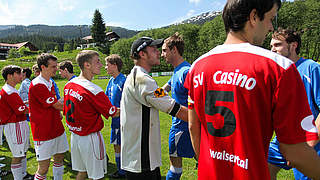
[(189, 171)]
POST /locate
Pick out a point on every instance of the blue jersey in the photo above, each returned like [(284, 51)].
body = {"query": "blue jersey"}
[(56, 89), (114, 93), (179, 92), (310, 75)]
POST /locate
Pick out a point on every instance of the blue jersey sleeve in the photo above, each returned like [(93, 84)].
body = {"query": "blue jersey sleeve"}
[(56, 89), (107, 89), (315, 84), (170, 81)]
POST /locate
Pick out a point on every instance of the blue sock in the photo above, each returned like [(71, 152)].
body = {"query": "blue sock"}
[(174, 173), (117, 156)]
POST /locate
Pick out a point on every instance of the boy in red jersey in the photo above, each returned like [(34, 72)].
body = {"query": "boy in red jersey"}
[(240, 93), (84, 102), (45, 118), (13, 117)]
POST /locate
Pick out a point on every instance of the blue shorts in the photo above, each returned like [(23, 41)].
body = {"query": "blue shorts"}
[(275, 157), (297, 174), (115, 137), (180, 144)]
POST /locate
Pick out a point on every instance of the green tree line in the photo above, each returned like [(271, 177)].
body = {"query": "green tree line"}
[(300, 15)]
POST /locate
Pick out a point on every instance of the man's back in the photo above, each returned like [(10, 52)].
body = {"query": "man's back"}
[(243, 93), (85, 102)]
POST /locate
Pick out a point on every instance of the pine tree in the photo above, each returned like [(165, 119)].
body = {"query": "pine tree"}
[(98, 28)]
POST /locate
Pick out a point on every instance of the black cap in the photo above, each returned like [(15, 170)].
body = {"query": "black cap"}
[(142, 43)]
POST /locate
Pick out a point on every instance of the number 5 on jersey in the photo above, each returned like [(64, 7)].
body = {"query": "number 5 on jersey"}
[(211, 109)]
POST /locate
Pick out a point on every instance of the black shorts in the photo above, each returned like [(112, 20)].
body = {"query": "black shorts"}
[(147, 175)]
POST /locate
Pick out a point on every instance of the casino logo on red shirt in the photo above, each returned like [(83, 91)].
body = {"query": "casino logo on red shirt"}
[(50, 100), (112, 110), (307, 124), (22, 108)]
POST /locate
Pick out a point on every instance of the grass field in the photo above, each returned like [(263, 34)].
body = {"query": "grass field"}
[(189, 172)]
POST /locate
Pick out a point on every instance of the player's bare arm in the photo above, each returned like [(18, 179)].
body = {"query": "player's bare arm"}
[(194, 129), (307, 161), (58, 105), (182, 113)]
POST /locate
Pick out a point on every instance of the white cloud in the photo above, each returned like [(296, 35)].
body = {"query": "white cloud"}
[(194, 1), (66, 5), (18, 12), (190, 13), (62, 5)]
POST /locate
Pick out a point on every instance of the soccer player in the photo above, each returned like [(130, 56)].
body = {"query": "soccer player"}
[(66, 70), (36, 72), (84, 102), (24, 87), (13, 117), (139, 117), (287, 43), (240, 93), (47, 129), (114, 92), (179, 138)]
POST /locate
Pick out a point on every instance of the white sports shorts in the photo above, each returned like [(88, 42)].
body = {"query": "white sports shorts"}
[(88, 154), (17, 135), (1, 132), (46, 149)]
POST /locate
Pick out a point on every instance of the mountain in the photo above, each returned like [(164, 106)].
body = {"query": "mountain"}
[(76, 31), (202, 18), (65, 32)]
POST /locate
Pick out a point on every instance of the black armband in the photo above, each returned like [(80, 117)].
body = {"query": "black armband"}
[(175, 109)]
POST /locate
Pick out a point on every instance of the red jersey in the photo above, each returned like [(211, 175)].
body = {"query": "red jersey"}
[(241, 94), (12, 107), (45, 120), (84, 102)]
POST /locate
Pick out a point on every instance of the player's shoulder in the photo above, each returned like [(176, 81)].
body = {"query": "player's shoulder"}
[(312, 63), (122, 77), (86, 84), (246, 49), (9, 89), (39, 81)]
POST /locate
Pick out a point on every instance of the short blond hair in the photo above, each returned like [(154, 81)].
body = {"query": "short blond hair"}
[(85, 56)]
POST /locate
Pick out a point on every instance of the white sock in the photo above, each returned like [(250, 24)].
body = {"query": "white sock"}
[(40, 177), (57, 171), (17, 171), (175, 170), (24, 166)]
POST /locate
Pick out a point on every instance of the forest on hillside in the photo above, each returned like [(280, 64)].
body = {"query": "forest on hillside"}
[(50, 38), (300, 15)]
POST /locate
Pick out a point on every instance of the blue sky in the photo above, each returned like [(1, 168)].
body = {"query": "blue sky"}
[(131, 14)]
